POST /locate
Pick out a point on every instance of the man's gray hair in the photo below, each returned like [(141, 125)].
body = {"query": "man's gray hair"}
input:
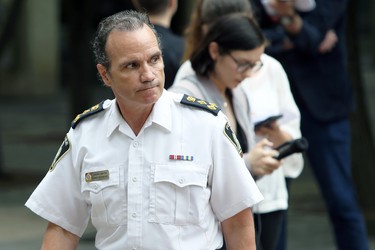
[(127, 20)]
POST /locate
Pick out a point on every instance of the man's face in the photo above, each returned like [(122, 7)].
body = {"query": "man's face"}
[(136, 74)]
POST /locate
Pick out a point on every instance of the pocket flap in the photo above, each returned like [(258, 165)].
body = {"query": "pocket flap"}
[(181, 175)]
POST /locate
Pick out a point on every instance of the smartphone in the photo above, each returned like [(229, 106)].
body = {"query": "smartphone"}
[(267, 122)]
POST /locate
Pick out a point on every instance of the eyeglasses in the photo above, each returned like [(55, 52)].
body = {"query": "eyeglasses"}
[(245, 66)]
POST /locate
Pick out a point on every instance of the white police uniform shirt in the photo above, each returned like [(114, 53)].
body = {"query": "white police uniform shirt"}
[(168, 187)]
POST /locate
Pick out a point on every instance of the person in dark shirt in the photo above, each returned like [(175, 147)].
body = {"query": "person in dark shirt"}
[(160, 13)]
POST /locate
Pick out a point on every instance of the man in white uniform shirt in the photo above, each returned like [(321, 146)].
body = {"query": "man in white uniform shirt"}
[(151, 169)]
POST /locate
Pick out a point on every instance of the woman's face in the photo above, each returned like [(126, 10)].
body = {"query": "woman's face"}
[(232, 68)]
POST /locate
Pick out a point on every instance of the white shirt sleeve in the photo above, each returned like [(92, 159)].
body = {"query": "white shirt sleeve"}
[(230, 176), (58, 197)]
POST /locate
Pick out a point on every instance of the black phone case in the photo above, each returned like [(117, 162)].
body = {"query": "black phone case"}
[(267, 121)]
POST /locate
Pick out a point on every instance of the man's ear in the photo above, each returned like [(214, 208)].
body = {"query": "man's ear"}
[(213, 50), (104, 74)]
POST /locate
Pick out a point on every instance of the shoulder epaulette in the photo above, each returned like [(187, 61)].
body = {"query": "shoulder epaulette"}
[(195, 102), (88, 112)]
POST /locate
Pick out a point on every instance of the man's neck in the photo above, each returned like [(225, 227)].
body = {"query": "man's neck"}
[(135, 118)]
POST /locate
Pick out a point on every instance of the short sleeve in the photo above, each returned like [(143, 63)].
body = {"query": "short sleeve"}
[(58, 197), (233, 188)]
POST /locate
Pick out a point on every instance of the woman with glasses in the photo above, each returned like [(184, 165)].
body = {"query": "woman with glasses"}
[(232, 50), (229, 53)]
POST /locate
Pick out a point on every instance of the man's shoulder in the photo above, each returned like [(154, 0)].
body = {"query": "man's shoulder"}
[(194, 103), (91, 112)]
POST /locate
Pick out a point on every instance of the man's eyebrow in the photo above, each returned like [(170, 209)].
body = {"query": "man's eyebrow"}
[(157, 53), (126, 62), (136, 60)]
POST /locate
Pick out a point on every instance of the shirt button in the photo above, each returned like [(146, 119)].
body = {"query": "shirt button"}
[(106, 104), (135, 144), (181, 180), (134, 215), (95, 186), (134, 179)]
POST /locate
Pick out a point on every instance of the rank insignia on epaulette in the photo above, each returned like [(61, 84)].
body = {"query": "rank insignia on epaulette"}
[(232, 138), (88, 112), (195, 102), (63, 150)]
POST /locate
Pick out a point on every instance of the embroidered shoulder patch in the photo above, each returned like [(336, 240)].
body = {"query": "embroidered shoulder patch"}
[(64, 148), (88, 112), (195, 102), (232, 138)]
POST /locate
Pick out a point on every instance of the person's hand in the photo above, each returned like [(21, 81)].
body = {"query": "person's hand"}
[(287, 45), (283, 8), (261, 158), (273, 133), (329, 42)]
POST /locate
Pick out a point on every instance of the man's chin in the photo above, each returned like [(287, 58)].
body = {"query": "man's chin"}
[(151, 95)]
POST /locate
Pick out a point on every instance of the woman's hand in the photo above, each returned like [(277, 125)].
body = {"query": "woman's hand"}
[(261, 158), (283, 8), (273, 133)]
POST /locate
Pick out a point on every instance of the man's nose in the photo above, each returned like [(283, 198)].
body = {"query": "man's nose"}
[(147, 74)]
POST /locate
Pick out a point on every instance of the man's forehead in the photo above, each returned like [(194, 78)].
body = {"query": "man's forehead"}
[(140, 34), (144, 36)]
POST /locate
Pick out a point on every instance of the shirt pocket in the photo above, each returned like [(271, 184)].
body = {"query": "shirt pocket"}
[(178, 194), (107, 196)]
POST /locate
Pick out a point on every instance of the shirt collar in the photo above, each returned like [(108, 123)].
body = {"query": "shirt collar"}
[(114, 118), (161, 114)]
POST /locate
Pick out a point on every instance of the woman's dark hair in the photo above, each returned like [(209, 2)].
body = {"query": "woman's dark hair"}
[(211, 10), (206, 12), (230, 32)]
